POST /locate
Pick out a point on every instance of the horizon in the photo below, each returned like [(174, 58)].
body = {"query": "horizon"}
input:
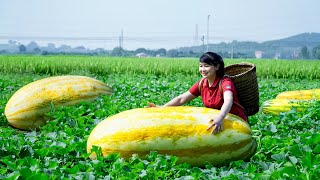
[(59, 45)]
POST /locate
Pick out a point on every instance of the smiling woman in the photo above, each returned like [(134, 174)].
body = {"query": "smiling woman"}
[(217, 91)]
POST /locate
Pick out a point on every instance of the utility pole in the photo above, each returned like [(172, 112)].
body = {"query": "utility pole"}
[(232, 50), (202, 39), (121, 40), (208, 33)]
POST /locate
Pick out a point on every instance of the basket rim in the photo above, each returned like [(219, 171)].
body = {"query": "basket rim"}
[(253, 66)]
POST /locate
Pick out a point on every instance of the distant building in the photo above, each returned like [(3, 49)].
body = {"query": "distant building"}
[(258, 54), (296, 53), (277, 55), (141, 55)]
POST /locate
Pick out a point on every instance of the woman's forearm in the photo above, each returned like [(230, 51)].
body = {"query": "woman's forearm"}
[(181, 99), (174, 102), (226, 107)]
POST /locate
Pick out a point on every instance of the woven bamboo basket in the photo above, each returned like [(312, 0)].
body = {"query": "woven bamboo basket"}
[(245, 80)]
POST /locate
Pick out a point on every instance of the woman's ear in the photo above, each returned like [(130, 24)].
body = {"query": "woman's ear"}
[(217, 66)]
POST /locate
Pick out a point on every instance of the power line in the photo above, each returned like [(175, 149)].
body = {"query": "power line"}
[(196, 36)]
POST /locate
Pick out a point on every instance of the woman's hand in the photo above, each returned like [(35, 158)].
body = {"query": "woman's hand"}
[(151, 105), (217, 124)]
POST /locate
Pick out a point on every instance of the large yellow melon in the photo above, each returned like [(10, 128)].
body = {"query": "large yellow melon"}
[(27, 107), (310, 94), (277, 106), (179, 131)]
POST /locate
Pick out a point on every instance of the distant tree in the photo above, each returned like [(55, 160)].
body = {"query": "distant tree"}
[(44, 53), (304, 52), (12, 42), (22, 48), (140, 50), (32, 46), (100, 51), (316, 52), (3, 51), (117, 51), (173, 53), (80, 48), (37, 50), (162, 52)]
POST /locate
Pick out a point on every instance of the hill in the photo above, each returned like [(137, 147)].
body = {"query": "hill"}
[(306, 39), (286, 48)]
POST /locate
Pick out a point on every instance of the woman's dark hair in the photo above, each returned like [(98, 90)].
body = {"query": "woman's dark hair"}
[(214, 59)]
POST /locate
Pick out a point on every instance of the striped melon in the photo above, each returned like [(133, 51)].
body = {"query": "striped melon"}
[(276, 106), (27, 107), (300, 94), (179, 131)]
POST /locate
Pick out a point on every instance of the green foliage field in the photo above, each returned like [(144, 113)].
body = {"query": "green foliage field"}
[(52, 65), (288, 144)]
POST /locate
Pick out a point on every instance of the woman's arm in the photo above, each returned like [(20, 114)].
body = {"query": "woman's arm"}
[(178, 101), (181, 99), (218, 119)]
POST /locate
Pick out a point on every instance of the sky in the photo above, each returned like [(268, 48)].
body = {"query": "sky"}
[(154, 24)]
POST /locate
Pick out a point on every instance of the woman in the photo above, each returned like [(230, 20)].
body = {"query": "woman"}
[(216, 90)]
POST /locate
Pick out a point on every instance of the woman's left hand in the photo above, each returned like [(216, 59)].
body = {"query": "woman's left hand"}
[(217, 123)]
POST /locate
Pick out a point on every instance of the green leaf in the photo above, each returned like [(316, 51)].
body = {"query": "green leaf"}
[(308, 160), (288, 172), (14, 175), (293, 159), (273, 128), (279, 157), (314, 139), (25, 172), (42, 152), (3, 171), (41, 176), (295, 150), (317, 149), (74, 170), (11, 165)]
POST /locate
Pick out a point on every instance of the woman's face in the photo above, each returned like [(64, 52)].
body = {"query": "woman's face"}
[(208, 71)]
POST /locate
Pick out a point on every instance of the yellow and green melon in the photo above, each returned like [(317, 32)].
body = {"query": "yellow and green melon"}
[(178, 131), (309, 94), (277, 106), (27, 107)]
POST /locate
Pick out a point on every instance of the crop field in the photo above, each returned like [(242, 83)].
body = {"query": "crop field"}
[(288, 143)]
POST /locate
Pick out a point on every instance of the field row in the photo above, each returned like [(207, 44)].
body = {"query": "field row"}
[(52, 65)]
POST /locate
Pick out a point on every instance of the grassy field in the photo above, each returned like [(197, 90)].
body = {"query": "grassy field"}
[(288, 144), (52, 65)]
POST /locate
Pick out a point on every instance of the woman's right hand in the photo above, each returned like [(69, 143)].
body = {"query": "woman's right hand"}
[(151, 105), (216, 124)]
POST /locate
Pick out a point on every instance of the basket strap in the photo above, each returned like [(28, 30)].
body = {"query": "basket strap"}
[(200, 84), (220, 88)]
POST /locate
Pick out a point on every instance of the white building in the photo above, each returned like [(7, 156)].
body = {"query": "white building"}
[(258, 54)]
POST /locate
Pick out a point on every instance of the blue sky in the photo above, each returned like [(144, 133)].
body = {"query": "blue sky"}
[(154, 24)]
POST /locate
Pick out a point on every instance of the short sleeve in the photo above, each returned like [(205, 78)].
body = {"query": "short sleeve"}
[(194, 90), (227, 85)]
